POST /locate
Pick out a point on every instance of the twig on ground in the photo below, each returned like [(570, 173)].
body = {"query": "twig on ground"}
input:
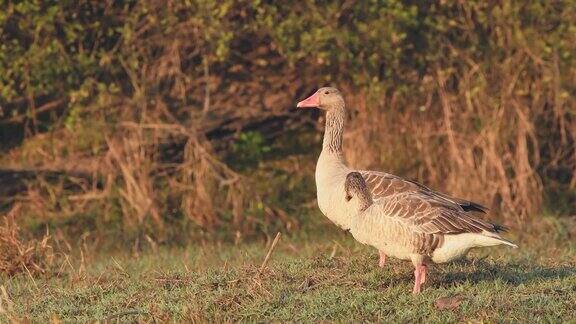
[(31, 277), (276, 239), (259, 284)]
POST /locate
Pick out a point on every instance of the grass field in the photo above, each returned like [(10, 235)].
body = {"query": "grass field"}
[(306, 279)]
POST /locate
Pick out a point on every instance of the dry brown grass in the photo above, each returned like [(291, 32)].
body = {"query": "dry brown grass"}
[(207, 186), (133, 164), (480, 137), (18, 255)]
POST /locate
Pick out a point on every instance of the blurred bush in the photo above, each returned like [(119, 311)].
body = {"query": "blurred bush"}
[(172, 109)]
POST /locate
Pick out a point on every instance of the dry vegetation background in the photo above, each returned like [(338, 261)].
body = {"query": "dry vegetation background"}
[(153, 122)]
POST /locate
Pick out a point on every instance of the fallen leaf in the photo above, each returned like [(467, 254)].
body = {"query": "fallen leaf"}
[(449, 303)]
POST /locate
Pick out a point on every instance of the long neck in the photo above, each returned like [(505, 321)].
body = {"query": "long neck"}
[(334, 129)]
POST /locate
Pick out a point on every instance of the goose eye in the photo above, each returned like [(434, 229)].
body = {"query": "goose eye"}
[(326, 92)]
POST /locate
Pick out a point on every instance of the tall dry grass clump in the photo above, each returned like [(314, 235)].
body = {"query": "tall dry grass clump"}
[(133, 162), (208, 184), (18, 255), (205, 186), (478, 140)]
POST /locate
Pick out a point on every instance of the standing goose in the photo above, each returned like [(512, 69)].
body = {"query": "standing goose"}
[(401, 218)]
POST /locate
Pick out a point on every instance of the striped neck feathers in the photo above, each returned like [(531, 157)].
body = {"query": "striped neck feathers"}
[(335, 118)]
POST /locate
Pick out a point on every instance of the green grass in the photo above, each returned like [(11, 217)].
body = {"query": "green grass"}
[(330, 278)]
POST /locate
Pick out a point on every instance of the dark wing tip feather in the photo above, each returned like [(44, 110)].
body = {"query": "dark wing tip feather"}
[(500, 228), (472, 206)]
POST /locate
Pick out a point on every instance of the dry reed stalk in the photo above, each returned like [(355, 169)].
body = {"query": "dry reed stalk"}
[(263, 266)]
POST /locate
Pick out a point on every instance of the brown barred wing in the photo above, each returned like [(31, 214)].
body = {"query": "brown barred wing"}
[(424, 221), (382, 185)]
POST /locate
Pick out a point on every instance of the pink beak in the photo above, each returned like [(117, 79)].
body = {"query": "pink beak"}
[(311, 102)]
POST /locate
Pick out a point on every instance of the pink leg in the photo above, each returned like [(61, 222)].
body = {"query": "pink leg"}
[(382, 261), (417, 280), (423, 274)]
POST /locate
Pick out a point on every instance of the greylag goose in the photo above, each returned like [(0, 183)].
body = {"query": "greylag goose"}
[(399, 217)]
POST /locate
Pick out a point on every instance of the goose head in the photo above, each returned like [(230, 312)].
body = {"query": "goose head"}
[(326, 98)]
